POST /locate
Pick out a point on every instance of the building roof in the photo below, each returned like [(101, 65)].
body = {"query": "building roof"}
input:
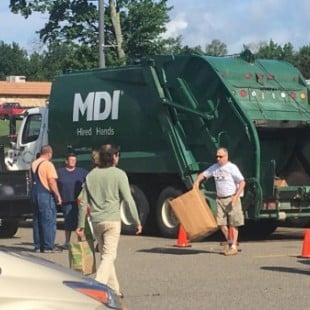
[(25, 88)]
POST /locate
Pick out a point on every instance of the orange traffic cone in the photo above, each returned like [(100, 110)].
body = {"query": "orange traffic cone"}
[(306, 244), (182, 238)]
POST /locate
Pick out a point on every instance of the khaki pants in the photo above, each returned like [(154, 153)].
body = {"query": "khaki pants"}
[(108, 235)]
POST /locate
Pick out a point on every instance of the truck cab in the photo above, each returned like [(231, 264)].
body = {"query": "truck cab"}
[(32, 135)]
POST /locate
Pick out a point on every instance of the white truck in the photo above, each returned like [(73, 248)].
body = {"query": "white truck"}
[(15, 177)]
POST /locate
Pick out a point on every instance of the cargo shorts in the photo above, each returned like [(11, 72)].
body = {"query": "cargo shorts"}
[(228, 214)]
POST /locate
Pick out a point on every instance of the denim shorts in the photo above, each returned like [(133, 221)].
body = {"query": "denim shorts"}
[(70, 212)]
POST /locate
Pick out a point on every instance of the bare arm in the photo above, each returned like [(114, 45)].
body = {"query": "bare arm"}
[(54, 187), (241, 187), (198, 180)]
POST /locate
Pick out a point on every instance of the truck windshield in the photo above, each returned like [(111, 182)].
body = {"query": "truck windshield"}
[(31, 128)]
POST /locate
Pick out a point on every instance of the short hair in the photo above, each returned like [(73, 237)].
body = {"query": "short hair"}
[(106, 153), (71, 154), (45, 149), (224, 149)]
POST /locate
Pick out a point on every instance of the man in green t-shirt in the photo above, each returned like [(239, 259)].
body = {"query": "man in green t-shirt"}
[(105, 187)]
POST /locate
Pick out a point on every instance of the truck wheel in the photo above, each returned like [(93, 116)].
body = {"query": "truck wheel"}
[(143, 206), (167, 222), (8, 229)]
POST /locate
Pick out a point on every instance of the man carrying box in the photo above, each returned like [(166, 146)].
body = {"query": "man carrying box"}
[(229, 183)]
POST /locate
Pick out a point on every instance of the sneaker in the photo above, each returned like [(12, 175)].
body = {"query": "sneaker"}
[(54, 250), (65, 246), (225, 246), (231, 251), (37, 250)]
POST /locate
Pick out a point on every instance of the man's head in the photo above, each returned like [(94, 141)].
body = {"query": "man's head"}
[(95, 160), (71, 161), (46, 152), (222, 156), (109, 155)]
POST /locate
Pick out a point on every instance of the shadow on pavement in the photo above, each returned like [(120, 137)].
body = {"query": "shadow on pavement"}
[(177, 251), (287, 269)]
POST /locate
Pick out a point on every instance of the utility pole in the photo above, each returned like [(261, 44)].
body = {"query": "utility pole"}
[(101, 34)]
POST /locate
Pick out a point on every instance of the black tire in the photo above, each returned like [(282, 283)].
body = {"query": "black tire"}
[(8, 229), (167, 222), (258, 230), (143, 206)]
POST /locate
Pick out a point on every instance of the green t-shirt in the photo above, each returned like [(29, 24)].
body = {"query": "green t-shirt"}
[(104, 190)]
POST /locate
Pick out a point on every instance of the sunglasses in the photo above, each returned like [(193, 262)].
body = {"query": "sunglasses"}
[(219, 156)]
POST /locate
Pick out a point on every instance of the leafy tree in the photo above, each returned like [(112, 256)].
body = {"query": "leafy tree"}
[(288, 53), (13, 60), (270, 51), (171, 45), (132, 27), (143, 23), (216, 48), (68, 20), (276, 51), (36, 70), (303, 61)]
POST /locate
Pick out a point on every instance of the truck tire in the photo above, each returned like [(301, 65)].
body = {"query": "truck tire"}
[(8, 229), (143, 206), (167, 222)]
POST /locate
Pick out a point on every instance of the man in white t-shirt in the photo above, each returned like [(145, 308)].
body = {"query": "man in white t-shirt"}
[(229, 183)]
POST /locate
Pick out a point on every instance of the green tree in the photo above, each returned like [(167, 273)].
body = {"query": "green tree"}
[(13, 60), (270, 51), (36, 70), (303, 61), (132, 27), (143, 23), (216, 48), (276, 51), (288, 53)]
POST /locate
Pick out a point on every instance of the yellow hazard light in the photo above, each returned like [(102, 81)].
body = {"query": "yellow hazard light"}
[(302, 96)]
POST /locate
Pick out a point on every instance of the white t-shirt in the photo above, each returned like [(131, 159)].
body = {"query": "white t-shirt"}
[(227, 178)]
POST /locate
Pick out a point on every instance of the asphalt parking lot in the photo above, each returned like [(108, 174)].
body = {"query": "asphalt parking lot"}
[(154, 274)]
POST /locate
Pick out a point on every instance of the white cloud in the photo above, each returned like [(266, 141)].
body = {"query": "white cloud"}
[(176, 26), (238, 22)]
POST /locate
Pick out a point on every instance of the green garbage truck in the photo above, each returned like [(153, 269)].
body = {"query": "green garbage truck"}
[(169, 114)]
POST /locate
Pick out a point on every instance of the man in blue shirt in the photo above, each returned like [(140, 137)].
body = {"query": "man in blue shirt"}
[(70, 180)]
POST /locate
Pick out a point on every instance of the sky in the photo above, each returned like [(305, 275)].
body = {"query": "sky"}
[(233, 22)]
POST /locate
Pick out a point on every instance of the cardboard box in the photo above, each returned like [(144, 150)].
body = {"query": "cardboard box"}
[(280, 183), (194, 214)]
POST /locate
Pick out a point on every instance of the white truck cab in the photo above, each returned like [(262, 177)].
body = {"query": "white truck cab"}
[(31, 136)]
